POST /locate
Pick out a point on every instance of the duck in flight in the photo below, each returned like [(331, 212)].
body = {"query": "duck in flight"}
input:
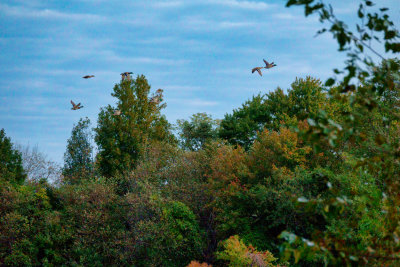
[(76, 106), (126, 75), (267, 66), (88, 76)]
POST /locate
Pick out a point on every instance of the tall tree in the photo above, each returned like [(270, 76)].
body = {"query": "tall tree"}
[(11, 168), (197, 131), (123, 138), (78, 159)]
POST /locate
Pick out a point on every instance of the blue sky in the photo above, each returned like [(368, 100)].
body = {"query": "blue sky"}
[(199, 51)]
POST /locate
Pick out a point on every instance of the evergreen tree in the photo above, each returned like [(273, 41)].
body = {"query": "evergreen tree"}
[(78, 161), (123, 138), (11, 168)]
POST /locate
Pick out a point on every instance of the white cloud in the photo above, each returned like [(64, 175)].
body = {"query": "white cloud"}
[(193, 102), (112, 57), (22, 12), (203, 24), (253, 5), (235, 24), (241, 4), (183, 88), (285, 16), (167, 4)]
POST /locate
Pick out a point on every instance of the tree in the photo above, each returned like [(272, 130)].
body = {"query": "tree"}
[(198, 131), (239, 255), (241, 127), (78, 160), (364, 88), (11, 168), (275, 109), (123, 139), (36, 164)]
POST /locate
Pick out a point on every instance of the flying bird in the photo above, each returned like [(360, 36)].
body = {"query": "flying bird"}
[(88, 76), (117, 112), (76, 106), (267, 66), (258, 69), (126, 75)]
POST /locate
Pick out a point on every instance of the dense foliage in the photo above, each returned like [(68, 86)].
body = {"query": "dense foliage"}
[(196, 132), (306, 177), (303, 100), (11, 168), (78, 159), (122, 139)]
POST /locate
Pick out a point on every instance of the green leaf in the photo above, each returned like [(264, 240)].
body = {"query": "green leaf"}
[(390, 35), (330, 82), (360, 12)]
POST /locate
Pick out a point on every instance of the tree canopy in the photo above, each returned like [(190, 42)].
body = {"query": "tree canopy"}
[(302, 177), (11, 168), (122, 139), (78, 159)]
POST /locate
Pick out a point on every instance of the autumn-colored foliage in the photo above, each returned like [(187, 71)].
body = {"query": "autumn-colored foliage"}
[(198, 264), (306, 177), (237, 254), (274, 150)]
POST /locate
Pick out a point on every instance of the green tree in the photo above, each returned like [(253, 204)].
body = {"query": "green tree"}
[(271, 111), (241, 127), (123, 139), (11, 168), (197, 131), (177, 230), (78, 159), (363, 226)]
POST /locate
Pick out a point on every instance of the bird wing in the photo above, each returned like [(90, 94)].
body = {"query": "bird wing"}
[(72, 102), (254, 69), (266, 62), (259, 72)]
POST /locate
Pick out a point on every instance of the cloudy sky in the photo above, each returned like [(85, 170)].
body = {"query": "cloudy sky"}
[(199, 51)]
